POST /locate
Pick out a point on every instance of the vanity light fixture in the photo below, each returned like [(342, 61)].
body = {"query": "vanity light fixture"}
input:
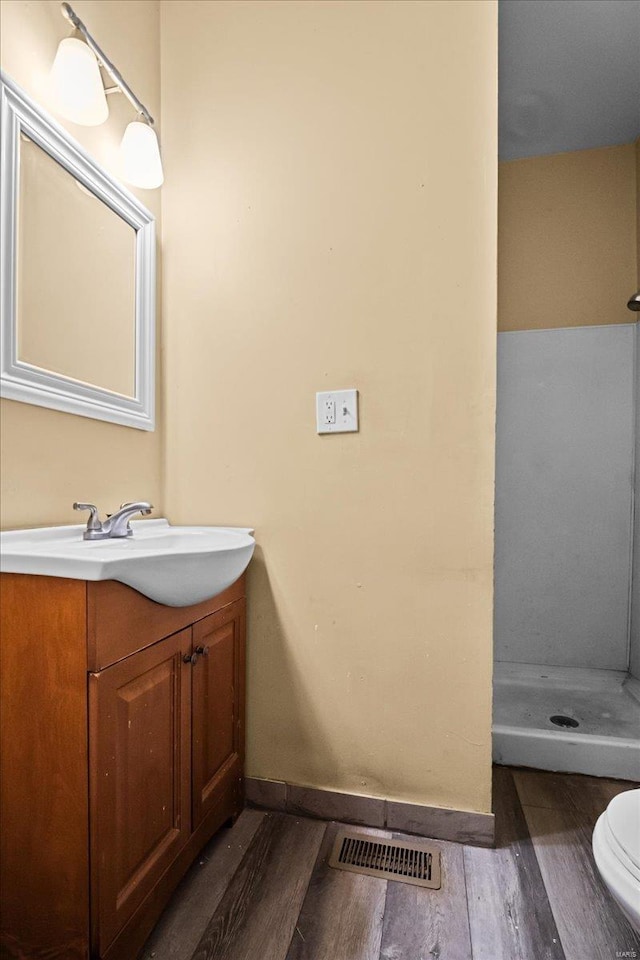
[(76, 80), (81, 98), (140, 156)]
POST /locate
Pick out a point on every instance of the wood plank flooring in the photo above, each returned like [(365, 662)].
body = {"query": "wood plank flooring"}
[(561, 816), (342, 912), (263, 890), (429, 923), (196, 899), (258, 913), (509, 912)]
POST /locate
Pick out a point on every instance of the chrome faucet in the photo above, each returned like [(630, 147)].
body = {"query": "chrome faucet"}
[(115, 526)]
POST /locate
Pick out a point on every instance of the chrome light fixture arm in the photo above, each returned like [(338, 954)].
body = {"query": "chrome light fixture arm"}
[(69, 13)]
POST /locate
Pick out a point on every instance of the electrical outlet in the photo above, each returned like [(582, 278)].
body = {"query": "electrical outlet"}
[(329, 411), (337, 411)]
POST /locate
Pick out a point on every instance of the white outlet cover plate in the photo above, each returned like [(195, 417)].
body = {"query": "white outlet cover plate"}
[(346, 411)]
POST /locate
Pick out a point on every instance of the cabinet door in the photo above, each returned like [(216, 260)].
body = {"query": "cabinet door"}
[(139, 712), (217, 734)]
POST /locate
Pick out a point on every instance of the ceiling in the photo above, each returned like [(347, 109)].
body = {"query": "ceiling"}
[(569, 75)]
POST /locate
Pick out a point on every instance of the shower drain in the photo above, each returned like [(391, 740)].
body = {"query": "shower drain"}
[(561, 721)]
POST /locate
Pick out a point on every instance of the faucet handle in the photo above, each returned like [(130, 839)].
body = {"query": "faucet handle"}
[(93, 523)]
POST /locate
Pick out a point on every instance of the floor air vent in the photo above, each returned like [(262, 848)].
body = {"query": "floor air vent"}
[(400, 860)]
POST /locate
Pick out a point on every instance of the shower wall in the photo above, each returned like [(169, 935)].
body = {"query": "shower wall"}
[(634, 657), (634, 646), (567, 392), (564, 455)]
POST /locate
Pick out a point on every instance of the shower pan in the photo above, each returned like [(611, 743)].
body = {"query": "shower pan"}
[(603, 706)]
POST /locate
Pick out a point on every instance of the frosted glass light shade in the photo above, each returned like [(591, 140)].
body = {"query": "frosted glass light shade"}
[(140, 156), (76, 80)]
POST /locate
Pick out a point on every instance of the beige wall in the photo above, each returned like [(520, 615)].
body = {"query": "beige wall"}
[(567, 239), (329, 221), (50, 459)]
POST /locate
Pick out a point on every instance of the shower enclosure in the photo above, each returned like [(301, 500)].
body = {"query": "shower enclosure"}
[(567, 569)]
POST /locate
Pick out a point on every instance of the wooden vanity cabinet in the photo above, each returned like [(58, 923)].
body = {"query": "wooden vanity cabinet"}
[(122, 735), (140, 777)]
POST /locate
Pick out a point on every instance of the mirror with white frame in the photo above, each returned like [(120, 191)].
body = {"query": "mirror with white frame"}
[(77, 275)]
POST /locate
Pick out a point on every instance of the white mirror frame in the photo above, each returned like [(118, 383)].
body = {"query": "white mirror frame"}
[(24, 381)]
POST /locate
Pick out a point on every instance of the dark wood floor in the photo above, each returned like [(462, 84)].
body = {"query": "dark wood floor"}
[(262, 890)]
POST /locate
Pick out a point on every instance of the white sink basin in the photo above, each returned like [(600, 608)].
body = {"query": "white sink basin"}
[(176, 566)]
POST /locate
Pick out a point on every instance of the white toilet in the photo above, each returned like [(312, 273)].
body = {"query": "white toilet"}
[(616, 850)]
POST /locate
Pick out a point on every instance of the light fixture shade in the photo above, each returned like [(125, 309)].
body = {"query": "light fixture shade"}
[(77, 83), (140, 156)]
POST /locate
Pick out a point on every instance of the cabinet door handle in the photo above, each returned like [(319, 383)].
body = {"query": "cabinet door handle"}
[(203, 651), (190, 657)]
